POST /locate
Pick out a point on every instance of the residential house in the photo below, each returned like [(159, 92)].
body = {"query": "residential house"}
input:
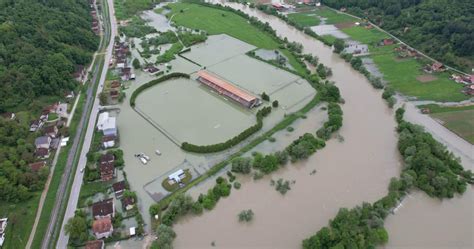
[(435, 67), (69, 96), (51, 131), (115, 84), (386, 42), (152, 70), (114, 94), (128, 203), (79, 73), (119, 188), (107, 124), (108, 141), (3, 226), (469, 90), (44, 115), (8, 115), (102, 228), (42, 153), (107, 171), (43, 142), (37, 166), (51, 108), (106, 158), (126, 73), (61, 110), (102, 209), (95, 244), (36, 125)]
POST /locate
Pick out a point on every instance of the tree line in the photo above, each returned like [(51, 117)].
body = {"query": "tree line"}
[(442, 29), (262, 113), (429, 166)]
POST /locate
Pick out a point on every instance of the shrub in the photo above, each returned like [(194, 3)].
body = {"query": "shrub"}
[(246, 215), (237, 185)]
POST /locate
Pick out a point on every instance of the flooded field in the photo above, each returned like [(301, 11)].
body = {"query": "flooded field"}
[(348, 173), (188, 111)]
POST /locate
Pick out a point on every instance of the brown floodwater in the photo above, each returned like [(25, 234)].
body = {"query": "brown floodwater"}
[(348, 173)]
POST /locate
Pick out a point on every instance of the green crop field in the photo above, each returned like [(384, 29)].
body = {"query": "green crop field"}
[(403, 74), (216, 21), (363, 35), (460, 122), (305, 19), (333, 17)]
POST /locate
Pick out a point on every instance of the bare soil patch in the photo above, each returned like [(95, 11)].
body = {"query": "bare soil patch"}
[(344, 25), (426, 78)]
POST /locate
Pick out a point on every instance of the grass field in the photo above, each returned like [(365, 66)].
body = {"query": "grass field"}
[(460, 121), (305, 19), (216, 21), (333, 17), (441, 109), (21, 217), (363, 35), (402, 76)]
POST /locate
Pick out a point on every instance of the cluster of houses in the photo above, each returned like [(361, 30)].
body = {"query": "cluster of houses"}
[(50, 139), (467, 80), (108, 126), (121, 51), (104, 211), (151, 69), (405, 52), (3, 226), (95, 19)]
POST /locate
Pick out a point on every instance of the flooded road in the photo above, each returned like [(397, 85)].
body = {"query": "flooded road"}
[(348, 173)]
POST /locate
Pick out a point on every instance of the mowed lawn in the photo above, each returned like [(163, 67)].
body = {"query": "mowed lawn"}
[(305, 19), (402, 76), (216, 21), (460, 122)]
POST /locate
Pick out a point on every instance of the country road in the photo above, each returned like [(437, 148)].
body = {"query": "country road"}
[(61, 197), (76, 186)]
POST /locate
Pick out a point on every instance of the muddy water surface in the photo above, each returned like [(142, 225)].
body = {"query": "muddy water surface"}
[(348, 173)]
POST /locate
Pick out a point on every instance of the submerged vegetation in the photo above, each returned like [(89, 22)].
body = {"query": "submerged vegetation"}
[(428, 166)]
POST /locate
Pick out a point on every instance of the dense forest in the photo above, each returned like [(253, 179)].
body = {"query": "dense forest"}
[(40, 44), (441, 28)]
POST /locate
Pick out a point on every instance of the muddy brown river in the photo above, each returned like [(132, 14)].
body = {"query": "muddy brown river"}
[(348, 173)]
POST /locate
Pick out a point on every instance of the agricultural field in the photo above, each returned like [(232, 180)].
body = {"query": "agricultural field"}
[(403, 76), (216, 21), (333, 17), (459, 120), (305, 19), (363, 35)]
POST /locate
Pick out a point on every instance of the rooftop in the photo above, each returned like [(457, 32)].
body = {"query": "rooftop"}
[(102, 225), (226, 85), (103, 208)]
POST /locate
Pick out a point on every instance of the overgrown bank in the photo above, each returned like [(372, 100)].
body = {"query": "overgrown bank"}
[(428, 167)]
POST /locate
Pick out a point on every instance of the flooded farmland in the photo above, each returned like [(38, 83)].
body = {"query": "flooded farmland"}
[(348, 173)]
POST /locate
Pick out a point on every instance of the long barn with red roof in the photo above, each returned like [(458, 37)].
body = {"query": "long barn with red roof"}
[(227, 89)]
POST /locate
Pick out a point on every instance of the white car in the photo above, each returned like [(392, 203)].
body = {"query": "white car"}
[(82, 170)]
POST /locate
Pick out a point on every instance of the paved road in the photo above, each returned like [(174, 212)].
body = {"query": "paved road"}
[(61, 194), (76, 186)]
